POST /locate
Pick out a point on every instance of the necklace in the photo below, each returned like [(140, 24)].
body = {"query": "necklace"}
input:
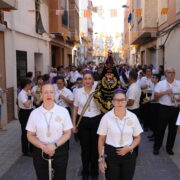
[(121, 131), (48, 123)]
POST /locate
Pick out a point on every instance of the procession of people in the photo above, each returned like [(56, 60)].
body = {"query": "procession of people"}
[(106, 108)]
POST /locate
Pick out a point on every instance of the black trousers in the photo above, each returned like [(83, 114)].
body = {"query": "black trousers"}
[(154, 117), (145, 111), (137, 113), (87, 133), (59, 163), (167, 117), (23, 118), (119, 167)]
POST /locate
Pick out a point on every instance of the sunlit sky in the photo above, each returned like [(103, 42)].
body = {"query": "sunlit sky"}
[(109, 24)]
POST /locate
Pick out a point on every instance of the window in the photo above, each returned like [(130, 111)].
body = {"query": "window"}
[(177, 6), (65, 16)]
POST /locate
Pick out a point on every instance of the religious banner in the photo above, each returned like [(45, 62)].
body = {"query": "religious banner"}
[(108, 83)]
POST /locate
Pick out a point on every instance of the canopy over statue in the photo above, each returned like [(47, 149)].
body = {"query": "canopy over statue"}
[(108, 83)]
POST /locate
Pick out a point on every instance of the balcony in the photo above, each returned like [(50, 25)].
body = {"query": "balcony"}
[(8, 4), (144, 29)]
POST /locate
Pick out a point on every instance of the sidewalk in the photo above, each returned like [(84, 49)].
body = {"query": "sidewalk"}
[(13, 166), (9, 146)]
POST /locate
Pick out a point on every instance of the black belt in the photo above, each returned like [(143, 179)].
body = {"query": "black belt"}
[(25, 109), (170, 107)]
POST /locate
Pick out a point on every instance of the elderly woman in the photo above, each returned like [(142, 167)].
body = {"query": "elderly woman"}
[(119, 131), (49, 129)]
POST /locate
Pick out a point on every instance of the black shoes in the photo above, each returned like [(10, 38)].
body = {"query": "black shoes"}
[(94, 177), (85, 178), (155, 151), (27, 154), (170, 152)]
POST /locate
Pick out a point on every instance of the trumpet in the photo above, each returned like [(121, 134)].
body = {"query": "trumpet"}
[(173, 99)]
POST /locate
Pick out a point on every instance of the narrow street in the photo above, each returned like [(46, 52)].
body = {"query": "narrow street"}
[(17, 167)]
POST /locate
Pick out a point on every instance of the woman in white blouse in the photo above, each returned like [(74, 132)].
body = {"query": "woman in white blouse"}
[(49, 129), (119, 131), (25, 103), (87, 128)]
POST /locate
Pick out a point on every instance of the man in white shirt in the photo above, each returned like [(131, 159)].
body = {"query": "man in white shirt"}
[(147, 87), (73, 76), (133, 93), (168, 111), (64, 97), (133, 96)]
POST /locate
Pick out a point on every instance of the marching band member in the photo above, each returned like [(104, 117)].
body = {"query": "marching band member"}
[(119, 131), (133, 93), (36, 90), (88, 127), (25, 103), (64, 97), (168, 111), (147, 87), (154, 108), (49, 129)]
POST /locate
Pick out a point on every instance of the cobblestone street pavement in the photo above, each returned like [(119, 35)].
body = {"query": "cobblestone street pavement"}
[(13, 166)]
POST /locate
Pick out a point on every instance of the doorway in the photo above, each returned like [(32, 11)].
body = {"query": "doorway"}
[(21, 63)]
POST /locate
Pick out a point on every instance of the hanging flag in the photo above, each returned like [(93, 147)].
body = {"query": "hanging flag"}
[(114, 13), (87, 38), (164, 11), (76, 37), (117, 35), (101, 35), (32, 10), (7, 10), (76, 44), (82, 34), (85, 44), (96, 38), (138, 13), (87, 13), (64, 36)]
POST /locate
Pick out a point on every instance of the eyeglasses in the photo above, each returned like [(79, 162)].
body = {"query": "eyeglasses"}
[(120, 100), (48, 93), (171, 72)]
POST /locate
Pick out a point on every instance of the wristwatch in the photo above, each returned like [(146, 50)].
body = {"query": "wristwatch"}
[(101, 159)]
